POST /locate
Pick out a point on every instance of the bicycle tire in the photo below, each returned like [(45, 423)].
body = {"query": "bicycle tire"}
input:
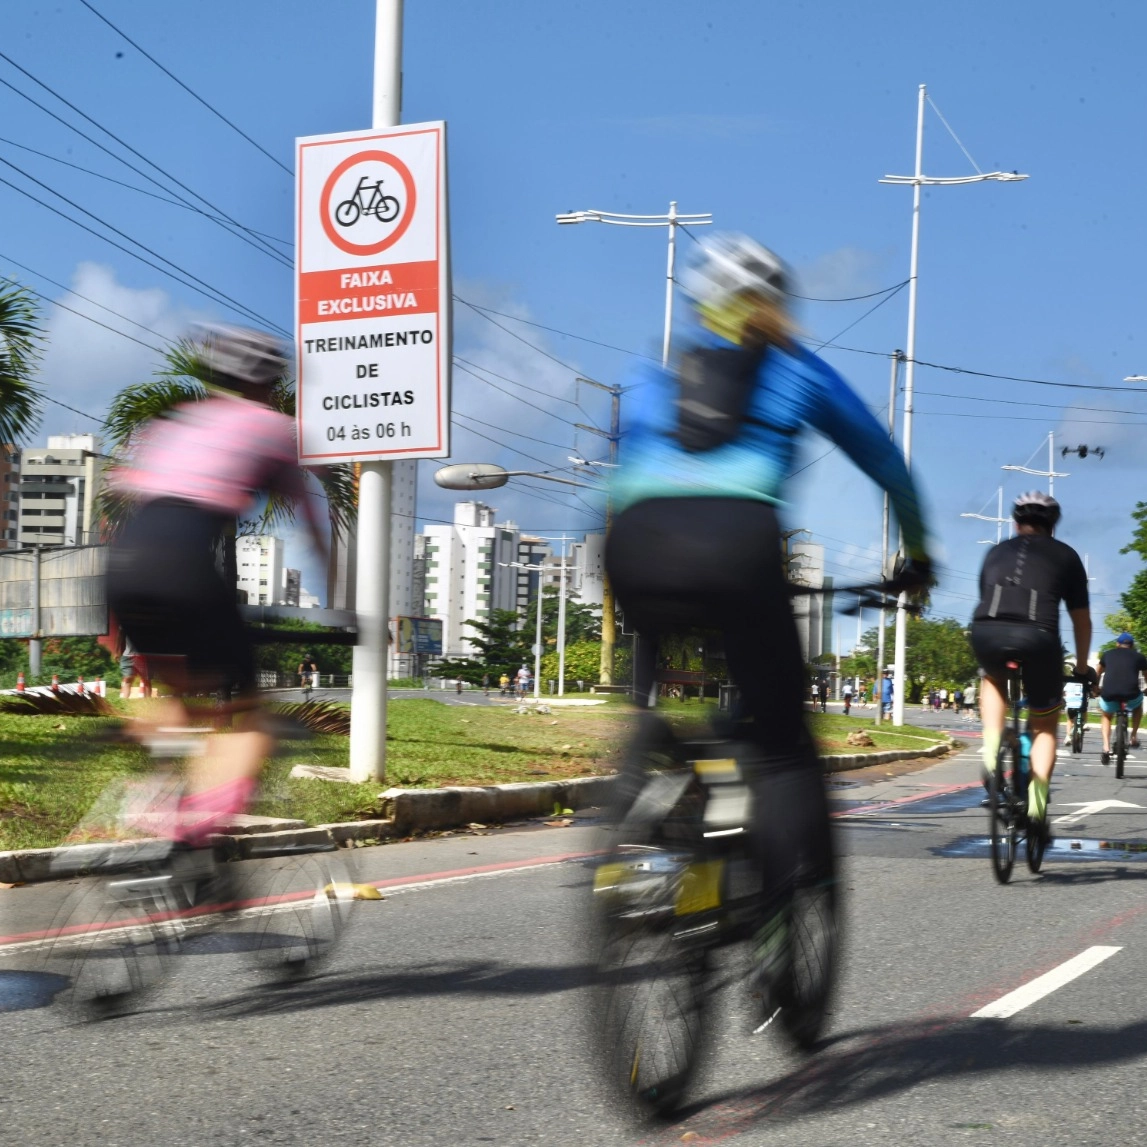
[(805, 991), (1035, 844), (1120, 745), (113, 946), (390, 214), (295, 911), (651, 1012), (1076, 739), (1001, 812), (350, 217)]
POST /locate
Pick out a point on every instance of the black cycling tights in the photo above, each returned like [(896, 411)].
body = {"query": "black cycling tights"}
[(715, 563)]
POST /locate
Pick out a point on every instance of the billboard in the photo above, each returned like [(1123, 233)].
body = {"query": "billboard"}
[(372, 299), (420, 635)]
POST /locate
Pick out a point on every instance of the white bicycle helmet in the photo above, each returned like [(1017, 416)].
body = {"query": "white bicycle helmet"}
[(1036, 508), (726, 265), (251, 357)]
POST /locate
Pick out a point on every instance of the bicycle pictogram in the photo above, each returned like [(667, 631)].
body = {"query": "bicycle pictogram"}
[(367, 199)]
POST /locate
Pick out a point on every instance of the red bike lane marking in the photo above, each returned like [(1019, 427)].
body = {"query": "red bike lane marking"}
[(942, 790)]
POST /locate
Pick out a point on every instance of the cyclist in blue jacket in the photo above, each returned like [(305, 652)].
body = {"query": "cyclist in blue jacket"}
[(696, 542)]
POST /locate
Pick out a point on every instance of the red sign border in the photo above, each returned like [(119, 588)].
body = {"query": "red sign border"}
[(438, 131), (364, 249)]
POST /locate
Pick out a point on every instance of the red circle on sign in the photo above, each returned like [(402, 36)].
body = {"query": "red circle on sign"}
[(328, 189)]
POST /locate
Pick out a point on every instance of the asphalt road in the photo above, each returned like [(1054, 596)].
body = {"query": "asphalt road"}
[(454, 1011)]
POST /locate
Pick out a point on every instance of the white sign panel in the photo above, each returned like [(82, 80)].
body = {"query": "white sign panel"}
[(372, 298)]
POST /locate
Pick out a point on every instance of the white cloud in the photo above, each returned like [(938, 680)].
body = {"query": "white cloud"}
[(86, 364), (842, 273)]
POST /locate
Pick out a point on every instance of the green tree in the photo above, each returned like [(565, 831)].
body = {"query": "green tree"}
[(287, 658), (582, 623), (937, 653), (501, 646), (583, 660), (21, 342)]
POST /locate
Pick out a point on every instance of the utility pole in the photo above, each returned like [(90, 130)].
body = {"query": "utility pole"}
[(999, 519), (368, 698), (897, 359), (36, 645), (1050, 473), (608, 622), (917, 181)]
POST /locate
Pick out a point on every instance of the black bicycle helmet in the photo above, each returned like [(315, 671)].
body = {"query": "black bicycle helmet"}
[(1035, 508)]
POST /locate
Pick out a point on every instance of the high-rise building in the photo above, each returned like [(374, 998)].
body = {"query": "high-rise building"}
[(57, 492), (9, 495), (531, 552), (260, 562), (292, 584), (469, 572), (344, 549), (588, 570), (813, 612)]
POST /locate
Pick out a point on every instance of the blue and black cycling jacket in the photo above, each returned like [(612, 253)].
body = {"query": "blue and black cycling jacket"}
[(795, 389)]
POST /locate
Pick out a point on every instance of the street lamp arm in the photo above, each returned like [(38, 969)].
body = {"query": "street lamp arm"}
[(984, 518), (550, 478), (1037, 473), (953, 180)]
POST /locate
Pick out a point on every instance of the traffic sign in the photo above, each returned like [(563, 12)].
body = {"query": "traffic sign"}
[(372, 298)]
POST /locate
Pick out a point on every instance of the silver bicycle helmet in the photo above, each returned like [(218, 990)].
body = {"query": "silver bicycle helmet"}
[(239, 354), (726, 265), (1036, 508)]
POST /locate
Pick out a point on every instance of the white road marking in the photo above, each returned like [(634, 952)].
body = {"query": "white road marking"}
[(1046, 984), (1089, 807)]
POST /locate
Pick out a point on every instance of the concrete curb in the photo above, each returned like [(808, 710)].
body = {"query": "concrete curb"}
[(407, 811)]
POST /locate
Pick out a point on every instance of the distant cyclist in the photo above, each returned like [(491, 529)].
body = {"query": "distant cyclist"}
[(696, 542), (193, 471), (1022, 583), (1120, 671)]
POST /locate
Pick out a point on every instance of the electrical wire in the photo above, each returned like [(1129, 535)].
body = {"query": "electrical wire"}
[(516, 397), (259, 243), (139, 190), (875, 307), (515, 335), (238, 307), (195, 95), (514, 381)]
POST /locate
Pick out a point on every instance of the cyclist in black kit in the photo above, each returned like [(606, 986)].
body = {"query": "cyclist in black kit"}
[(1122, 668), (1022, 582)]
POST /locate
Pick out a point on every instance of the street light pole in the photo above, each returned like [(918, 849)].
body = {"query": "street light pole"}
[(368, 698), (1050, 473), (918, 181), (897, 359), (999, 519), (672, 219)]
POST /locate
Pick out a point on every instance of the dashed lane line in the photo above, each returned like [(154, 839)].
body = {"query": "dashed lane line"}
[(1049, 982)]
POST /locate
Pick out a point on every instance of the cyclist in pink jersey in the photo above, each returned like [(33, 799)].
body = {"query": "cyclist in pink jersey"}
[(193, 471)]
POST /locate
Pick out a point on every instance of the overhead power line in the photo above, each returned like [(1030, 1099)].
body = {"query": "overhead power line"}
[(182, 203), (260, 243), (194, 95), (851, 298), (209, 292)]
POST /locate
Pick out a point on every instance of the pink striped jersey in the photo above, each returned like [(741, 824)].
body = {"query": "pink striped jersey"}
[(219, 453)]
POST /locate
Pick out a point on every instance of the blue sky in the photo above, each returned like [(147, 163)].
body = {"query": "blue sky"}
[(778, 118)]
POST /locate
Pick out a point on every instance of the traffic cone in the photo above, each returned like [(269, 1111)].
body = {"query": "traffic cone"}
[(80, 685), (19, 682), (55, 683)]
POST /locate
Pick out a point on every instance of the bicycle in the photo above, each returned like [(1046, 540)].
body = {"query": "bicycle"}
[(677, 886), (385, 208), (1007, 793), (1120, 738), (115, 936)]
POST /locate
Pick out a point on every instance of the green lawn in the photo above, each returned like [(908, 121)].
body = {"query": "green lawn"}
[(52, 769)]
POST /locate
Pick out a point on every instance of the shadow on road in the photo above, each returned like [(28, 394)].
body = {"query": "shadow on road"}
[(869, 1065), (476, 977)]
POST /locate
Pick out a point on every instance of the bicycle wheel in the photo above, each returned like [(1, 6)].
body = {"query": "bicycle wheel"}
[(650, 1013), (387, 209), (1120, 744), (804, 991), (1001, 809), (295, 910), (112, 939), (1076, 738), (347, 213)]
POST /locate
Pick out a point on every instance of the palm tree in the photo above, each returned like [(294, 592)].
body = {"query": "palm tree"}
[(182, 379), (21, 341)]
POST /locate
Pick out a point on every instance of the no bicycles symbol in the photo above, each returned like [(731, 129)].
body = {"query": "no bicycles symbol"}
[(367, 202)]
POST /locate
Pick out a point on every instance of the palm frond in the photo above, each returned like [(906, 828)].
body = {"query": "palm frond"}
[(21, 344), (136, 405)]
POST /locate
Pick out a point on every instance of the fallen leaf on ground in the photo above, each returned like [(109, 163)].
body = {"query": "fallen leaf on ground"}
[(21, 883), (475, 826), (353, 891), (565, 822)]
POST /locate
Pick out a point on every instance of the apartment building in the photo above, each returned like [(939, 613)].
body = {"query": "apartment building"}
[(468, 572), (57, 490), (9, 495), (813, 612), (291, 587), (260, 562)]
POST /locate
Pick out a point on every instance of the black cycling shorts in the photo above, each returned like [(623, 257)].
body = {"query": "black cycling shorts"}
[(1038, 652), (170, 599)]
